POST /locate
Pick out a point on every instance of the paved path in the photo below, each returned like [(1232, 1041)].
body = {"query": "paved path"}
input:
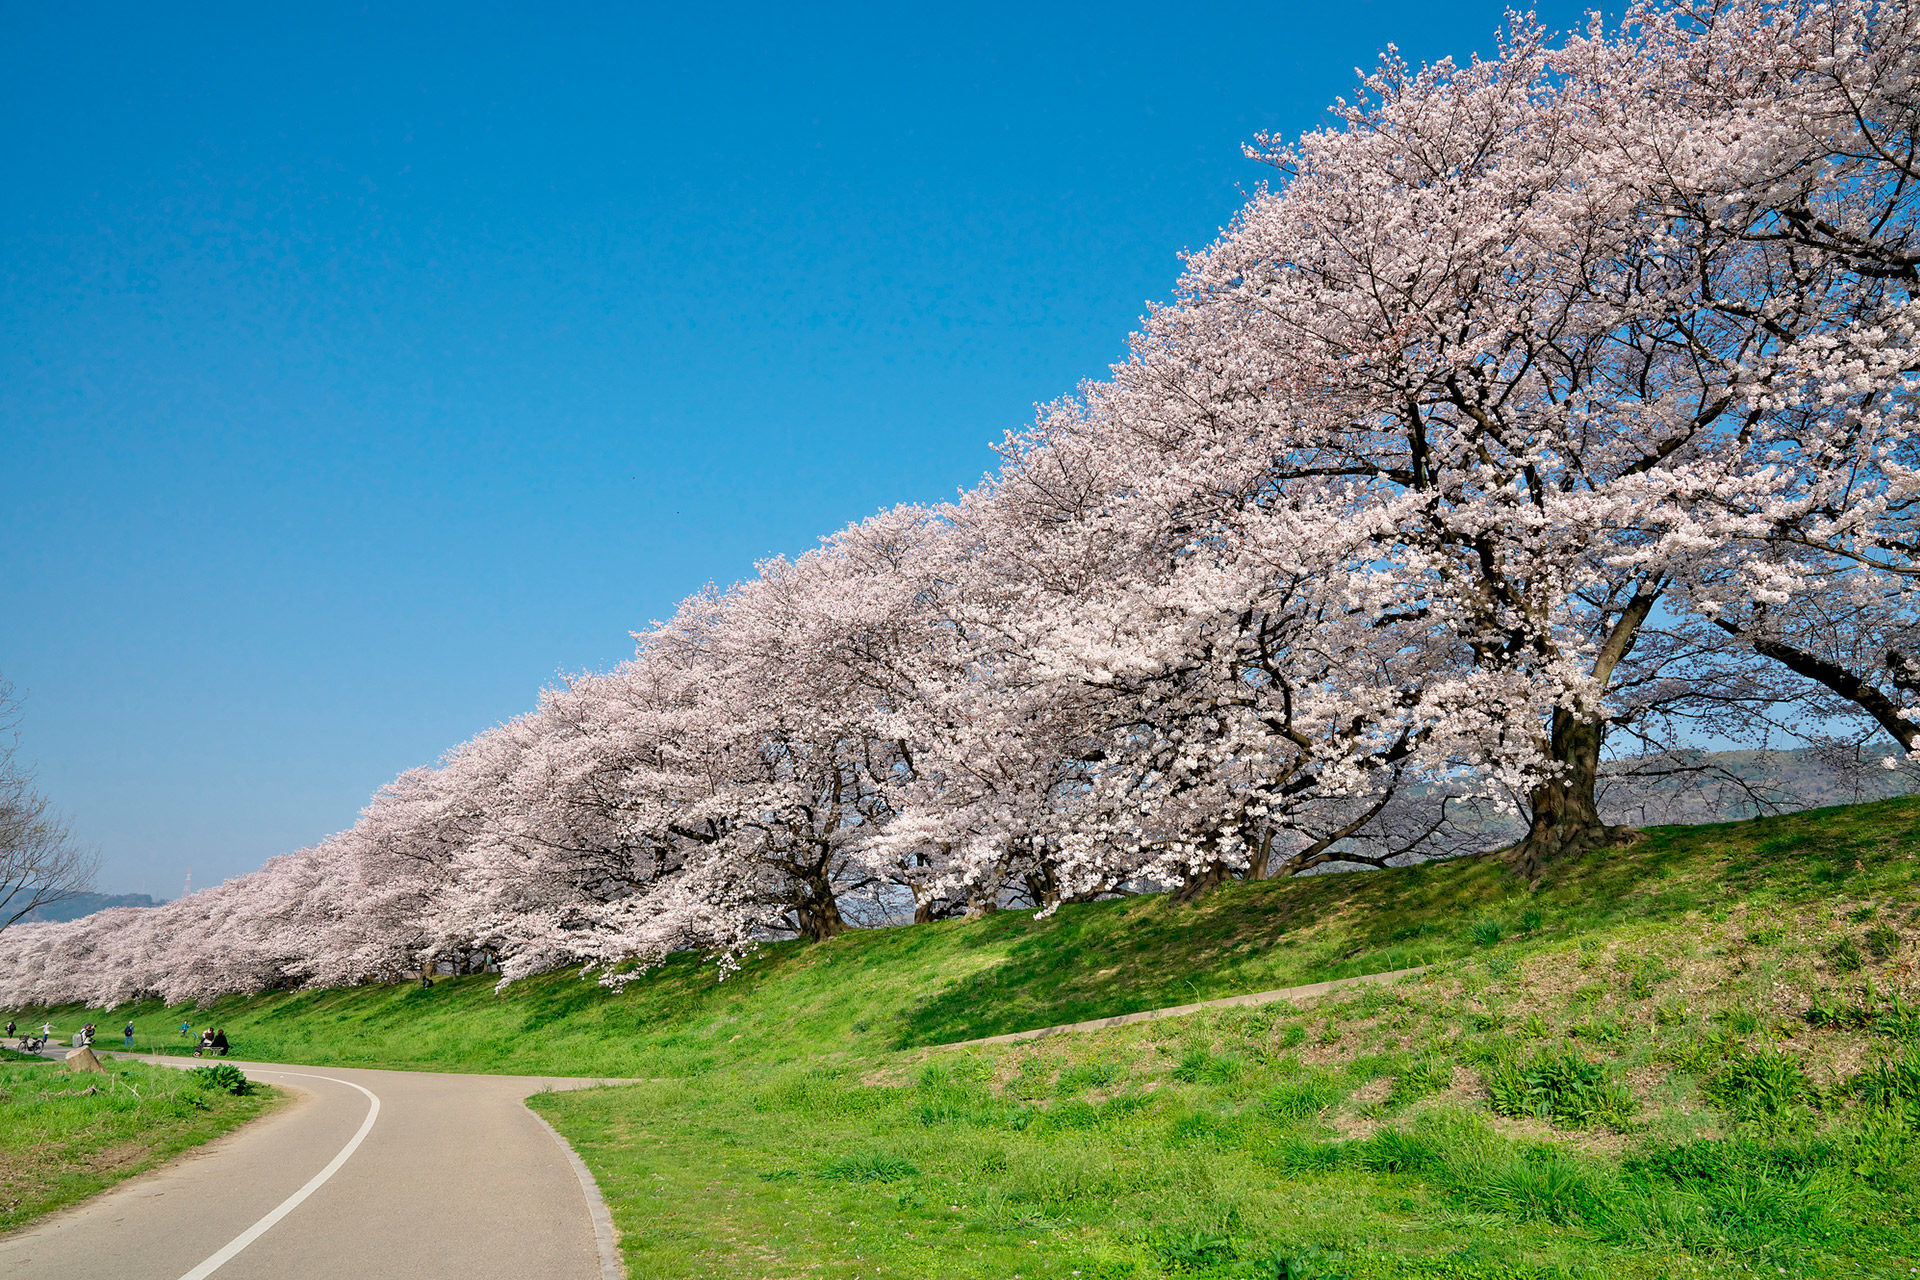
[(1307, 992), (374, 1175)]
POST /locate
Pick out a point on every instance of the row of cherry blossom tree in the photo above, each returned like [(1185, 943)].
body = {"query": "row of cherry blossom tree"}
[(1543, 399)]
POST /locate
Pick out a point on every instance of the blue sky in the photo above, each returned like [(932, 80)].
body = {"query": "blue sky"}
[(361, 369)]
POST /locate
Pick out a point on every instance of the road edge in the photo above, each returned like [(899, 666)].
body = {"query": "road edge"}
[(605, 1238), (292, 1097)]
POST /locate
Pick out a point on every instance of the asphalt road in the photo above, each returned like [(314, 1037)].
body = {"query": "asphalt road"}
[(369, 1175)]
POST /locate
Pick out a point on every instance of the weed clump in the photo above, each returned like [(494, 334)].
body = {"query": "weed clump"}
[(1425, 1075), (1298, 1099), (1560, 1086), (1892, 1084), (868, 1166), (1758, 1084), (222, 1077)]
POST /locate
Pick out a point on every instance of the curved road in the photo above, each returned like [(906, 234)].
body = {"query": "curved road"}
[(376, 1175)]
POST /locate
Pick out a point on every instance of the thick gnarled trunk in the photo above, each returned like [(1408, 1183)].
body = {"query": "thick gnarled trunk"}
[(817, 913), (1202, 881), (1566, 808)]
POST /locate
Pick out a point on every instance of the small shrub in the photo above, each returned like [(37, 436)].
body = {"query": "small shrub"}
[(1606, 1031), (1891, 1083), (1758, 1083), (1642, 978), (1560, 1086), (1192, 1251), (222, 1077), (1391, 1151), (1827, 1010), (1670, 1013), (1310, 1263), (1898, 1020), (1298, 1099), (1486, 932), (1540, 1185), (1197, 1066), (1423, 1076), (1844, 956), (1532, 919), (868, 1166)]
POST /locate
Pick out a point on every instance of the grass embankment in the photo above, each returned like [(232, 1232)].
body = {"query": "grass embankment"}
[(880, 990), (1692, 1055), (65, 1135)]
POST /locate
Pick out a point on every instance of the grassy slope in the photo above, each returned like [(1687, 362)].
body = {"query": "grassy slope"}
[(884, 989), (1611, 1076), (59, 1144)]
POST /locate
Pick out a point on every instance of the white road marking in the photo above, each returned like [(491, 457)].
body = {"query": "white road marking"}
[(292, 1202)]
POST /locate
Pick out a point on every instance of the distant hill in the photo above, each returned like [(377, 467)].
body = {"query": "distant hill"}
[(85, 904), (1729, 786)]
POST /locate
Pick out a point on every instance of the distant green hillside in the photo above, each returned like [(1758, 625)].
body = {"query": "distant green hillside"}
[(1696, 1055), (83, 904)]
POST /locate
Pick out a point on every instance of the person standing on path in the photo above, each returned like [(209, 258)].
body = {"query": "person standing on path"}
[(128, 1032), (9, 1028)]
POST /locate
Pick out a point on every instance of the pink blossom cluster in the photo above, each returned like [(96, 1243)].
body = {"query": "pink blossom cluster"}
[(1540, 399)]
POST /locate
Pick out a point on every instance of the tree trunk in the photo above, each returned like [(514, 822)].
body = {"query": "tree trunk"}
[(818, 911), (1199, 884), (1566, 810), (1044, 887), (1260, 856), (923, 904)]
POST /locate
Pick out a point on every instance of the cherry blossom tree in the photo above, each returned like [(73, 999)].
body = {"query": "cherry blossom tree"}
[(1541, 399)]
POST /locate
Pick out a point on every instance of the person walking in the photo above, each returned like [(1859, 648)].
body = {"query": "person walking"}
[(9, 1028), (128, 1032)]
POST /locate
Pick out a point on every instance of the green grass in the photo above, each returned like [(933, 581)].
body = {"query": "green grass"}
[(886, 989), (65, 1135), (1693, 1055)]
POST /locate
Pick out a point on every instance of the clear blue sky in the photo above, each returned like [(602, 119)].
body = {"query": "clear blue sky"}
[(363, 368)]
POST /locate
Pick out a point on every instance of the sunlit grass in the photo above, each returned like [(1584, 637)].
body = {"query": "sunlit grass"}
[(1693, 1055), (65, 1135)]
